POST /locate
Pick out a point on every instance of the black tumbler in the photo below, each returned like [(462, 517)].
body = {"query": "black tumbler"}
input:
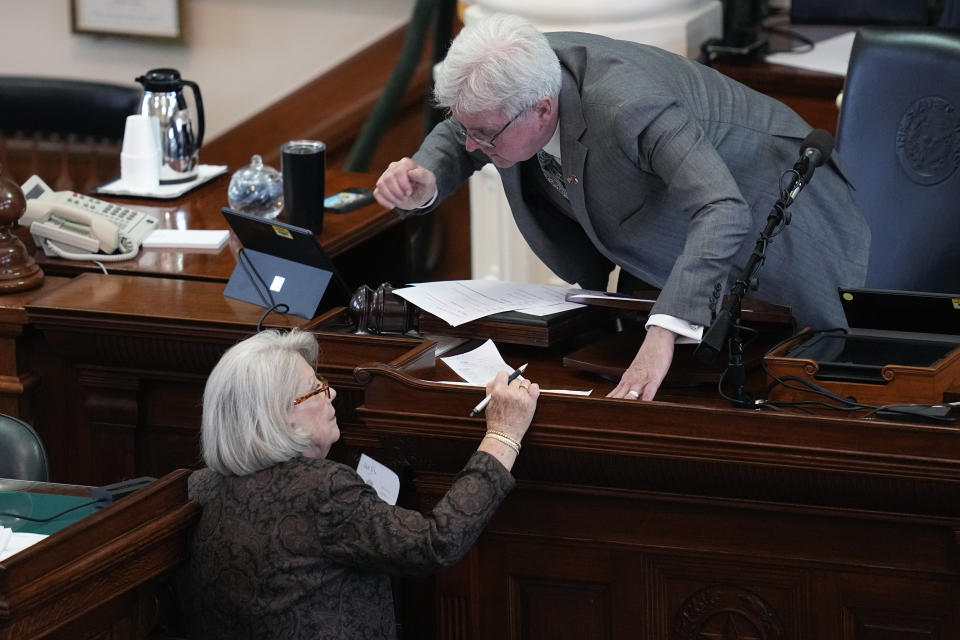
[(304, 167)]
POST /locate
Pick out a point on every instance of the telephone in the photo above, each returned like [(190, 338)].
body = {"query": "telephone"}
[(74, 226)]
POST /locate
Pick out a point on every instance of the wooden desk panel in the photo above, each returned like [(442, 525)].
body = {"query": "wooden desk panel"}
[(683, 519), (18, 379), (101, 576)]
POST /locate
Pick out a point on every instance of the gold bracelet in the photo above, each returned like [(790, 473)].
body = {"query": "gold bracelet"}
[(505, 439)]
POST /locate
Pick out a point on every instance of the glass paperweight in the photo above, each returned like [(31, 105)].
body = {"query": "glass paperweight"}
[(256, 189)]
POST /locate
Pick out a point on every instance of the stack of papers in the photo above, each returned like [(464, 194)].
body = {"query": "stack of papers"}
[(12, 542), (460, 301), (187, 238)]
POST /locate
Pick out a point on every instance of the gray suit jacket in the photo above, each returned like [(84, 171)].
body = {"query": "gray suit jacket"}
[(672, 170)]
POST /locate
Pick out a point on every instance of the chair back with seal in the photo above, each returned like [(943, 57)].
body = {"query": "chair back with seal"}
[(899, 135)]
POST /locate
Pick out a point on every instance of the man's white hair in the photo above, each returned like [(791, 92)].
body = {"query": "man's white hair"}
[(500, 63)]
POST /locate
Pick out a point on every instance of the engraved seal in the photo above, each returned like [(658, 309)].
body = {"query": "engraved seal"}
[(726, 612), (928, 140)]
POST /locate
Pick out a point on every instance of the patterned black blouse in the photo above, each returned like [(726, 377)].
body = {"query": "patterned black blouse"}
[(304, 549)]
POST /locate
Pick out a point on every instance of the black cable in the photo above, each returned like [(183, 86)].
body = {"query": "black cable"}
[(53, 517), (841, 403), (755, 334), (807, 43), (265, 296), (279, 307)]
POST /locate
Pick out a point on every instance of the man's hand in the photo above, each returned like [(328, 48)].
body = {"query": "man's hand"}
[(405, 185), (642, 379)]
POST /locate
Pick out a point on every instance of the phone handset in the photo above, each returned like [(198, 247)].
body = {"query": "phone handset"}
[(74, 226)]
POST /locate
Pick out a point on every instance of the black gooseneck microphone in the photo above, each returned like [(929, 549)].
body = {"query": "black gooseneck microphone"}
[(814, 151)]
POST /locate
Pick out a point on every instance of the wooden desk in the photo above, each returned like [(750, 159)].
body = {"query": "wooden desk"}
[(102, 576), (363, 243), (681, 518)]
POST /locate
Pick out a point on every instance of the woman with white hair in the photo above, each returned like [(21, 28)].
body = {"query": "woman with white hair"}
[(293, 545)]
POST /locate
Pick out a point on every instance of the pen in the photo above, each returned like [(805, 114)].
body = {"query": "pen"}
[(513, 376)]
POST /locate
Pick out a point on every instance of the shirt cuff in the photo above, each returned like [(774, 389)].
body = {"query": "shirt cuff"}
[(687, 332), (429, 203)]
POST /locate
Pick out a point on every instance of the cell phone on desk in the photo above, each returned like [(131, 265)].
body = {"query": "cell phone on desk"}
[(347, 200)]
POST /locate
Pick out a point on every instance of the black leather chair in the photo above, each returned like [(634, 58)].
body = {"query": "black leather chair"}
[(66, 107), (59, 128), (899, 134), (22, 454)]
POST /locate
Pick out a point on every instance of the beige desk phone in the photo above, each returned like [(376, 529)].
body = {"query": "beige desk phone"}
[(74, 226)]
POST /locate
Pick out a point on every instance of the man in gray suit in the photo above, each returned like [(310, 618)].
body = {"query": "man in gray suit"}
[(617, 153)]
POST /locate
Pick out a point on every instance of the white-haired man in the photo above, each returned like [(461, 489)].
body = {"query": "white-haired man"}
[(617, 153)]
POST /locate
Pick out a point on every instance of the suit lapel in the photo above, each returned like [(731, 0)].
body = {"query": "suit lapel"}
[(573, 153)]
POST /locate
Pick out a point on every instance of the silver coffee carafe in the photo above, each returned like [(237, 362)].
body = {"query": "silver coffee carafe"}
[(180, 140)]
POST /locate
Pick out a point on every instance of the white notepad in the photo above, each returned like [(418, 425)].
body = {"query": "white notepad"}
[(187, 239)]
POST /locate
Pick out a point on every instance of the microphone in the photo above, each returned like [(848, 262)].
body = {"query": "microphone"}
[(814, 151)]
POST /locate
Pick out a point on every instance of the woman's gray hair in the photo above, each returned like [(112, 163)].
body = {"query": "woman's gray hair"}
[(247, 400), (500, 63)]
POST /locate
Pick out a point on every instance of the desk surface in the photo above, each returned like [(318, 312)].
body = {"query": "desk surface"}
[(200, 209)]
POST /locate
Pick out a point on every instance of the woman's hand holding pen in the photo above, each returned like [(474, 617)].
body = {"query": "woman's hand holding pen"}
[(508, 416)]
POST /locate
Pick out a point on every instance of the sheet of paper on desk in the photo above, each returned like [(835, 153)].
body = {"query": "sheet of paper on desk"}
[(827, 56), (460, 301), (12, 542), (380, 477), (482, 364)]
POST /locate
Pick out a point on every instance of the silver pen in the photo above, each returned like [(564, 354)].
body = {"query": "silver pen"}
[(513, 376)]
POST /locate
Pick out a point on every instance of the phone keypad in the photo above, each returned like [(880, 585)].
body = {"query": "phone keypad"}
[(122, 217)]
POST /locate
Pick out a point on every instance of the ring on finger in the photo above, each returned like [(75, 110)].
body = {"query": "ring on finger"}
[(633, 393)]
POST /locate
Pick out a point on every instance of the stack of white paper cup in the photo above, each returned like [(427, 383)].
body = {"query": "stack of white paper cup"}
[(140, 156)]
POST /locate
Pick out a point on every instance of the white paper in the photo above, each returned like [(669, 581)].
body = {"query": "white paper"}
[(12, 542), (569, 392), (828, 56), (187, 238), (479, 366), (460, 301), (381, 478), (549, 309)]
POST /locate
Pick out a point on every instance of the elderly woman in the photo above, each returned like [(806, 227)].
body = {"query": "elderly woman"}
[(292, 545)]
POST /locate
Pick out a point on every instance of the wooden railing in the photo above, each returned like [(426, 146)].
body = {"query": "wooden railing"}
[(63, 163)]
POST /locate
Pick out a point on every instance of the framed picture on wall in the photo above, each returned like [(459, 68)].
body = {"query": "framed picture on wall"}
[(159, 19)]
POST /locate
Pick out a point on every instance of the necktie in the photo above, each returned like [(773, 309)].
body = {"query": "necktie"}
[(551, 171)]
